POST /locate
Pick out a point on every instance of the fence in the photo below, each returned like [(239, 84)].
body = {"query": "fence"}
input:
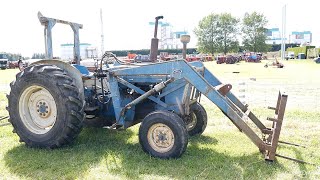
[(261, 93)]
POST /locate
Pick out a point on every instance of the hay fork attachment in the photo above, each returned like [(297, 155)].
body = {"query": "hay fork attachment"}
[(274, 132), (270, 136)]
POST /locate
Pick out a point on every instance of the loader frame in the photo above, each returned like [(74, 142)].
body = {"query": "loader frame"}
[(193, 79)]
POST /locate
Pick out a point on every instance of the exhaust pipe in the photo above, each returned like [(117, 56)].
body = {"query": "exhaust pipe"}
[(155, 41)]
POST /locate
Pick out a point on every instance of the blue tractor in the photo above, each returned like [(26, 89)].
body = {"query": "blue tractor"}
[(50, 100)]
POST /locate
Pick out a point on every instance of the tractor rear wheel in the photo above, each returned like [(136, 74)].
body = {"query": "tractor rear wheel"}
[(197, 120), (163, 134), (45, 107)]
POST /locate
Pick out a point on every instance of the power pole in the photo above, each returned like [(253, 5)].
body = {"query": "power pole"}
[(102, 35), (283, 36)]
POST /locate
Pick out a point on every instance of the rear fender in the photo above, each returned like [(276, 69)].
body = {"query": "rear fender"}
[(73, 72)]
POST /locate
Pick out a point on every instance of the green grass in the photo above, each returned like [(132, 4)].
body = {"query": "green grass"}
[(222, 152)]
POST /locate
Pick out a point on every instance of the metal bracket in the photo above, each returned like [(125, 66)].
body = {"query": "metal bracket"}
[(224, 89)]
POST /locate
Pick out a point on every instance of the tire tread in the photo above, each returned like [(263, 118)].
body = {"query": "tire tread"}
[(74, 105)]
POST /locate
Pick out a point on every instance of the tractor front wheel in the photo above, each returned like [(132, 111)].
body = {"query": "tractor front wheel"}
[(196, 122), (163, 134)]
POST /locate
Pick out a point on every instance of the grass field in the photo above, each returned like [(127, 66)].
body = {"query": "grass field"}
[(221, 152)]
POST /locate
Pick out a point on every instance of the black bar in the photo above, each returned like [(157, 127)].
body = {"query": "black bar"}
[(4, 117), (273, 108), (296, 160), (288, 143)]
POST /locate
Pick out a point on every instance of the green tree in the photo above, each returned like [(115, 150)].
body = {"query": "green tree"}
[(217, 33), (254, 32), (228, 30), (206, 33)]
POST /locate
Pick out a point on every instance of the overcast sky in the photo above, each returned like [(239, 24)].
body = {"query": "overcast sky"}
[(126, 22)]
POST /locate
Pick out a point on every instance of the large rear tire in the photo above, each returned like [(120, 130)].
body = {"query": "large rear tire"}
[(163, 134), (45, 107)]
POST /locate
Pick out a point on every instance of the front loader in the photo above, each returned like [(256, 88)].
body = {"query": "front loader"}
[(50, 100)]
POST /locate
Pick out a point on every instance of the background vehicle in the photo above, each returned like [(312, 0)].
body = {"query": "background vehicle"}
[(253, 57), (220, 59), (165, 56), (130, 57), (3, 61), (301, 56), (231, 59), (13, 64), (206, 58), (142, 58), (193, 57), (290, 55)]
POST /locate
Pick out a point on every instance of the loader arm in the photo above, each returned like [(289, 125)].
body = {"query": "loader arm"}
[(206, 83)]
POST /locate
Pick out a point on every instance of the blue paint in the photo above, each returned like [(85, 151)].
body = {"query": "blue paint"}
[(126, 83), (83, 70)]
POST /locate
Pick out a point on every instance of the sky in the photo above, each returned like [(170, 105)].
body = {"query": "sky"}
[(126, 22)]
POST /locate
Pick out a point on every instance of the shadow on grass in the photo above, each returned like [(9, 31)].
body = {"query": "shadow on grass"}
[(298, 155), (113, 153), (302, 166)]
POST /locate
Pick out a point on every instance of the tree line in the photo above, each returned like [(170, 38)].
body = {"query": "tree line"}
[(17, 56), (12, 56), (218, 33), (38, 56)]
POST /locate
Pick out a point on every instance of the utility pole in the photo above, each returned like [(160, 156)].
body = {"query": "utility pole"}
[(283, 33), (102, 34)]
